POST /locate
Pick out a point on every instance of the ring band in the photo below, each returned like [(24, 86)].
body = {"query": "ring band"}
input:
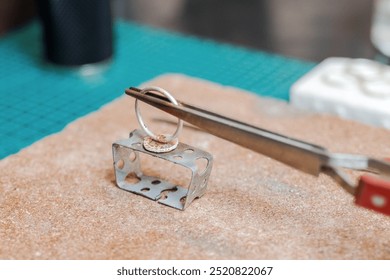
[(167, 138)]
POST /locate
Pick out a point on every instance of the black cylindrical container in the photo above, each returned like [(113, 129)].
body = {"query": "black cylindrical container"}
[(76, 32)]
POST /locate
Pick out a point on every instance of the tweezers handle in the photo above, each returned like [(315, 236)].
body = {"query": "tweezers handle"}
[(373, 193)]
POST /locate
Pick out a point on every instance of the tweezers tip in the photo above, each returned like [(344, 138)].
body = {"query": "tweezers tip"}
[(133, 92)]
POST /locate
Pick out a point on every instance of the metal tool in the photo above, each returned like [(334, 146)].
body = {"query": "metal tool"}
[(371, 192)]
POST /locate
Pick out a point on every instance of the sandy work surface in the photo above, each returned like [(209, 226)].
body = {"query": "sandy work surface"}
[(58, 199)]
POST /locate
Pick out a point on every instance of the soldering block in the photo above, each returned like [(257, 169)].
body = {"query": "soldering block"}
[(356, 89)]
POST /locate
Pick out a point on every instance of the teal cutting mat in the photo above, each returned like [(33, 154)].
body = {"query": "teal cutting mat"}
[(37, 100)]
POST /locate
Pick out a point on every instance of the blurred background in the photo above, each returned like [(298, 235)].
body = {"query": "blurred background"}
[(49, 43), (304, 29)]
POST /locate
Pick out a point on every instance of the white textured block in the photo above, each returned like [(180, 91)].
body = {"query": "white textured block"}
[(356, 89)]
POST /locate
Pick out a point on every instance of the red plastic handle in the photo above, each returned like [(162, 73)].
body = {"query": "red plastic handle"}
[(373, 193)]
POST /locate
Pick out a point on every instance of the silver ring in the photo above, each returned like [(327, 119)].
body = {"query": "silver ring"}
[(167, 138)]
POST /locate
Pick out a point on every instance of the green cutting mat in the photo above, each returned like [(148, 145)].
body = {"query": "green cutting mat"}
[(37, 100)]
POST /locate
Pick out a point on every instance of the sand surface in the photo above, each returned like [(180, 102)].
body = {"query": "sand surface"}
[(58, 199)]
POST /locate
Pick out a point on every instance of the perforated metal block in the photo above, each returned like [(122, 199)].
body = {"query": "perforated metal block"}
[(127, 162)]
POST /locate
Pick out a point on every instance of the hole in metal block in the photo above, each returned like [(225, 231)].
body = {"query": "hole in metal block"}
[(120, 164), (165, 170), (132, 178), (189, 151), (145, 189), (201, 164), (165, 193), (177, 157), (156, 182), (132, 156)]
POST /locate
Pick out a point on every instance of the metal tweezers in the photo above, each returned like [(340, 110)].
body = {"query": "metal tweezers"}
[(372, 192)]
